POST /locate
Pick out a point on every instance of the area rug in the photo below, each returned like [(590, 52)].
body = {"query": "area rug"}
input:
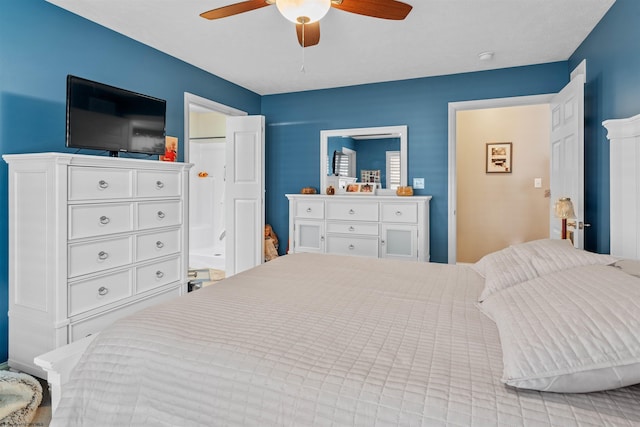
[(20, 396)]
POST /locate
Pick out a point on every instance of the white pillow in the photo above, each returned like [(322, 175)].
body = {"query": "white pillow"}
[(505, 268), (556, 254), (524, 261), (572, 331)]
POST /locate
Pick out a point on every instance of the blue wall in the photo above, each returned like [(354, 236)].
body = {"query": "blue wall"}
[(294, 122), (39, 45), (612, 91)]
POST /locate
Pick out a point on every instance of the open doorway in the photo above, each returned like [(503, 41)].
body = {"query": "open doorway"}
[(481, 205), (205, 147)]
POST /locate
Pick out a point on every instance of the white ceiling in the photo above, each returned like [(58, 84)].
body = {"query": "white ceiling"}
[(259, 50)]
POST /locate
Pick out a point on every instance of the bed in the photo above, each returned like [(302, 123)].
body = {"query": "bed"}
[(535, 334), (311, 339)]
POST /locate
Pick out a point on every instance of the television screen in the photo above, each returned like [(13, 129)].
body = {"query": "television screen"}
[(103, 117)]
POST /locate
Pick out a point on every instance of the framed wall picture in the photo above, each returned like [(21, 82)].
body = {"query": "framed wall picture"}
[(499, 157)]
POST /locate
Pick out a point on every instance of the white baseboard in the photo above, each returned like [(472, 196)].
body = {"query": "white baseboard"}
[(4, 366)]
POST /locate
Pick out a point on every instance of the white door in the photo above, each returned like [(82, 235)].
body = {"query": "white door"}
[(567, 154), (244, 193)]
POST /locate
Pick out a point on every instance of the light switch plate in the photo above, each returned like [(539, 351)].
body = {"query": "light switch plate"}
[(418, 183), (537, 182)]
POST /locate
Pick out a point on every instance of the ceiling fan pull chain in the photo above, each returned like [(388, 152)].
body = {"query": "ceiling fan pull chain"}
[(302, 70)]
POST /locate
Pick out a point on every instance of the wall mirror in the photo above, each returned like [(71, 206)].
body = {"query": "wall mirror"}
[(377, 155)]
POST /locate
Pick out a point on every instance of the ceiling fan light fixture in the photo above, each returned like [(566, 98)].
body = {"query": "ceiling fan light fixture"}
[(303, 11)]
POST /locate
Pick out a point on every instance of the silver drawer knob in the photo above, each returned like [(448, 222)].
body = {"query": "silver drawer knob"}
[(103, 184), (351, 212), (103, 291), (308, 210), (103, 255), (104, 220), (159, 274), (159, 244), (159, 184), (161, 214), (351, 247), (398, 213)]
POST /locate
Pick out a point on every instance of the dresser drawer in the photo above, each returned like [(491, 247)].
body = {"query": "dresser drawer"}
[(365, 228), (99, 219), (159, 214), (352, 211), (99, 255), (157, 274), (359, 246), (95, 324), (89, 294), (158, 184), (99, 183), (154, 245), (310, 209), (400, 212)]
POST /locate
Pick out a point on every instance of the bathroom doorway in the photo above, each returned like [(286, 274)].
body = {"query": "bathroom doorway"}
[(205, 129)]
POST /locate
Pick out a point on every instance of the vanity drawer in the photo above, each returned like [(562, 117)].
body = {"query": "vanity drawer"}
[(89, 294), (99, 183), (93, 325), (365, 228), (99, 255), (154, 245), (157, 274), (159, 214), (400, 212), (351, 211), (310, 209), (346, 245), (99, 219), (158, 184)]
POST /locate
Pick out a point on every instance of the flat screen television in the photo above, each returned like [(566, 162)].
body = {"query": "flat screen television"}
[(103, 117)]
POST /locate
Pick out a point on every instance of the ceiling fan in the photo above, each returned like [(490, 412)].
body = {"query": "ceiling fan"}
[(306, 14)]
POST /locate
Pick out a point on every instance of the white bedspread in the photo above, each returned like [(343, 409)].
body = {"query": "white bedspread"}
[(319, 340)]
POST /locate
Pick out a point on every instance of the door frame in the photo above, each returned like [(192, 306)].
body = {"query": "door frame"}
[(480, 104), (192, 99)]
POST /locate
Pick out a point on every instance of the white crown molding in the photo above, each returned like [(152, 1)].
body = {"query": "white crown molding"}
[(622, 128)]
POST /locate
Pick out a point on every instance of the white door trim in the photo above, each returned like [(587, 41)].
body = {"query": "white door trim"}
[(191, 99), (480, 104)]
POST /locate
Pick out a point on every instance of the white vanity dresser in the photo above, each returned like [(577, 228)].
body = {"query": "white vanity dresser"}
[(371, 226), (91, 239)]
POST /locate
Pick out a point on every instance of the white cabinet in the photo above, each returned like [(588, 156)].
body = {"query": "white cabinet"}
[(370, 226), (91, 239)]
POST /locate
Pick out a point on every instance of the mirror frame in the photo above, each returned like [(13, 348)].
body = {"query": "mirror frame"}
[(402, 133)]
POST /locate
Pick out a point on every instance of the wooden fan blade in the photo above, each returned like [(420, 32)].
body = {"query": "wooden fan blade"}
[(311, 34), (385, 9), (234, 9)]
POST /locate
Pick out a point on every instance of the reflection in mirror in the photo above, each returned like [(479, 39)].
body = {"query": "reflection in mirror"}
[(376, 155)]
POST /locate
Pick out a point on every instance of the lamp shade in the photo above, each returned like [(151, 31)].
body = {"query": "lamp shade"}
[(303, 11), (564, 208)]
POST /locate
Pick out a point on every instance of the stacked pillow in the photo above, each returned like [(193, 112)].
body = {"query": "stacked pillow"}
[(525, 261), (567, 321)]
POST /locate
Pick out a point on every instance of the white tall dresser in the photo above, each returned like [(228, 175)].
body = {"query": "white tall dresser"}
[(91, 239)]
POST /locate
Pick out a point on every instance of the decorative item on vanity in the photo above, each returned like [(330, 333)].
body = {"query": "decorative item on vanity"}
[(308, 190), (368, 188), (331, 190), (563, 209), (404, 191)]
